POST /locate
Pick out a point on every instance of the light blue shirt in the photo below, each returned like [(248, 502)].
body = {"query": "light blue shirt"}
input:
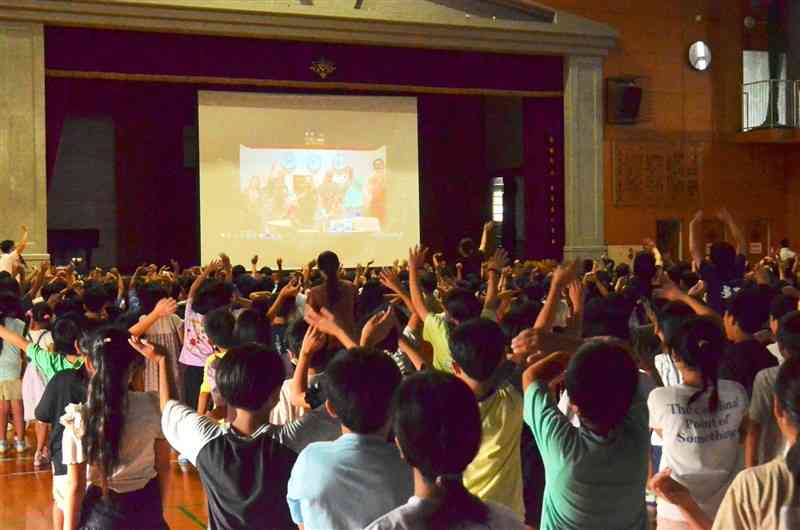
[(348, 483)]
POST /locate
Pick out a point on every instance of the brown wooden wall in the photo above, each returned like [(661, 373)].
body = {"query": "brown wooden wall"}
[(700, 108)]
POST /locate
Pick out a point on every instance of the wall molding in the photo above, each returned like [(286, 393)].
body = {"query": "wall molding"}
[(399, 28)]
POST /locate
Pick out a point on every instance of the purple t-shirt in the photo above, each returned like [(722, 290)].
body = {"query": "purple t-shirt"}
[(196, 346)]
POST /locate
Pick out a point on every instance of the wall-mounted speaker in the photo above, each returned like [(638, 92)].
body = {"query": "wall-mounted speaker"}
[(625, 100)]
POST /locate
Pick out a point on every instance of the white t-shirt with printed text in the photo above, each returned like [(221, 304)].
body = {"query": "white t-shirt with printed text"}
[(700, 447)]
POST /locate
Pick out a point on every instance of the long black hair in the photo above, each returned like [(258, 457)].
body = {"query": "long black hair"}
[(699, 343), (328, 263), (440, 444), (10, 308), (112, 358), (787, 392)]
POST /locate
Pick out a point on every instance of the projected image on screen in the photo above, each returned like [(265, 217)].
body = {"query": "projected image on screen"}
[(292, 175), (316, 190)]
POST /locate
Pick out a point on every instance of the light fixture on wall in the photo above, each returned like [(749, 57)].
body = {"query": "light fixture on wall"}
[(700, 56)]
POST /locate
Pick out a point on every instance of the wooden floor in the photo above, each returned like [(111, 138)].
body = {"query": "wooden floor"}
[(26, 500)]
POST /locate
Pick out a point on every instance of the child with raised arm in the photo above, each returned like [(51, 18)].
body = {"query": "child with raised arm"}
[(10, 371), (596, 473), (244, 471)]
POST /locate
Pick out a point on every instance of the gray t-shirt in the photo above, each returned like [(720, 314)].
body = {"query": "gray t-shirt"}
[(771, 443), (411, 516)]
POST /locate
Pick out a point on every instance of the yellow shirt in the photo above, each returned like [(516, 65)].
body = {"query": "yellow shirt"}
[(209, 372), (436, 330), (496, 472)]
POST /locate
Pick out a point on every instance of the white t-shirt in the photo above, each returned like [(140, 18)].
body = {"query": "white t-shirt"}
[(411, 516), (701, 447), (284, 412), (137, 457), (787, 254), (776, 351), (8, 262)]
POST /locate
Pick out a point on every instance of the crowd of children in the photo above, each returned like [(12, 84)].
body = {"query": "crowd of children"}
[(421, 396)]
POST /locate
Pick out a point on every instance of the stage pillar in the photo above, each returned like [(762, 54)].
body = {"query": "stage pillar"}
[(583, 148), (23, 200)]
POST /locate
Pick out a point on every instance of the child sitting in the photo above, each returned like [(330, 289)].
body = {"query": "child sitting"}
[(219, 326)]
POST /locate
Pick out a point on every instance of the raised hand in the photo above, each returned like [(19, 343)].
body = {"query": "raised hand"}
[(213, 266), (575, 291), (668, 291), (165, 307), (699, 216), (389, 279), (313, 341), (254, 260), (564, 274), (145, 349), (323, 320), (417, 257), (499, 260), (378, 326)]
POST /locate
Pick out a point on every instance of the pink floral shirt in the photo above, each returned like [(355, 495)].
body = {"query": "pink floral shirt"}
[(196, 347)]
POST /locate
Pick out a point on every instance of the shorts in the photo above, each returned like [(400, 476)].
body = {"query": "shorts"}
[(135, 510), (11, 390), (60, 485)]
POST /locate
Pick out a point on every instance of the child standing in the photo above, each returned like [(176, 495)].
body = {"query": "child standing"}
[(10, 371), (34, 381)]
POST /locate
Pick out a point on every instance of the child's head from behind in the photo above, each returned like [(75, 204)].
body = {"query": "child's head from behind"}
[(789, 334), (219, 326), (748, 311), (212, 294), (698, 346), (601, 381), (431, 437), (461, 305), (42, 314), (360, 386), (66, 332), (250, 376), (669, 319), (477, 347), (607, 317), (440, 444), (251, 326), (150, 293), (781, 305), (95, 298)]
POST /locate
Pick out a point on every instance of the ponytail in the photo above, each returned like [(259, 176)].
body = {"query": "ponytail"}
[(699, 343), (456, 505), (112, 358), (329, 264)]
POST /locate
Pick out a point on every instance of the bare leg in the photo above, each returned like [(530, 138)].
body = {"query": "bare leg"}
[(58, 518), (41, 435), (19, 421), (4, 404)]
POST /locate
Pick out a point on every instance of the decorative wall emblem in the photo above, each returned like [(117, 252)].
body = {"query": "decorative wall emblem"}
[(323, 67)]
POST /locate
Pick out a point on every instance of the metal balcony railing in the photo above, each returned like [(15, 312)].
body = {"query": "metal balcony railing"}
[(771, 104)]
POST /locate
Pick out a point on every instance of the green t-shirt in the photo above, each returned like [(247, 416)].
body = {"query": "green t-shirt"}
[(50, 363), (592, 483)]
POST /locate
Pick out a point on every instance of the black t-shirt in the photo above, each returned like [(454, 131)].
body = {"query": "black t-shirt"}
[(245, 478), (720, 287), (742, 361), (67, 386)]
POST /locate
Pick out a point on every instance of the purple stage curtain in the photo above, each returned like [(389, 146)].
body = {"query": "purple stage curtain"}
[(157, 197), (543, 140), (454, 182), (84, 49)]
